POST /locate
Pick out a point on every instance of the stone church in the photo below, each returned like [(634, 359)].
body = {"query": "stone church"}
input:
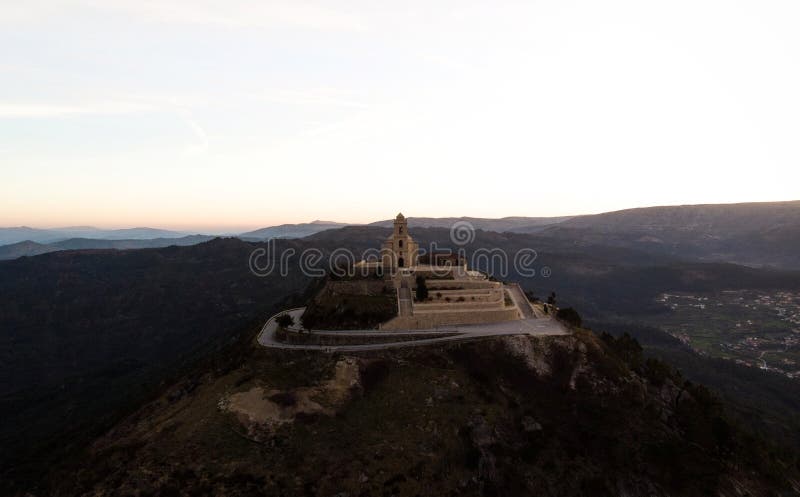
[(455, 295)]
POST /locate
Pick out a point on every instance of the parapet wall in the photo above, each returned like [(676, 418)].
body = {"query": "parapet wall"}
[(463, 284), (467, 305), (343, 338)]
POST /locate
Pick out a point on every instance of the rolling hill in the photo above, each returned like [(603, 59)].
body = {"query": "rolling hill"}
[(753, 234), (526, 224), (29, 248), (24, 233), (290, 230)]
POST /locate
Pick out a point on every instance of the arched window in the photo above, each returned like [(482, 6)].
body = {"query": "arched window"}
[(401, 230), (400, 244)]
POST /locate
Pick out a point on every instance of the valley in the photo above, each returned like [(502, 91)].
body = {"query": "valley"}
[(756, 328)]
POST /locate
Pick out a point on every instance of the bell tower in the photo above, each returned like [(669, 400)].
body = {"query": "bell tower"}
[(400, 225), (400, 250)]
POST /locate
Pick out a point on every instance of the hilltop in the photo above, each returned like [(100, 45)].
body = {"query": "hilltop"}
[(573, 415)]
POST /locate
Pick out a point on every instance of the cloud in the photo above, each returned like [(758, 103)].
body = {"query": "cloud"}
[(200, 147), (230, 14), (314, 96), (30, 11), (13, 110), (124, 103)]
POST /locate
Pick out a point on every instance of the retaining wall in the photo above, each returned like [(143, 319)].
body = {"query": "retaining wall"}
[(467, 305), (463, 284), (447, 318)]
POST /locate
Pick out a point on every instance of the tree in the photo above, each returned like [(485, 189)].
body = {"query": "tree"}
[(285, 320), (626, 348), (569, 316), (552, 299), (422, 289)]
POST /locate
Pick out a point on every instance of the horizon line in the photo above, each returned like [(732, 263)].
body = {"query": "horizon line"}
[(239, 229)]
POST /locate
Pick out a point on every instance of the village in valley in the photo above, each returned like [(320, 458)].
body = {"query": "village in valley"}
[(756, 328)]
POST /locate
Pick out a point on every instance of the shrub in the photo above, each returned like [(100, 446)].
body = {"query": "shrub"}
[(626, 348), (285, 320), (657, 372), (569, 316), (422, 289)]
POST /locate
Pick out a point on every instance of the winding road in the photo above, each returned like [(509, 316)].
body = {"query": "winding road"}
[(530, 326)]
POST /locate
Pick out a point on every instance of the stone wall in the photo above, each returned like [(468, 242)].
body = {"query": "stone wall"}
[(463, 284), (456, 306), (333, 339), (447, 318)]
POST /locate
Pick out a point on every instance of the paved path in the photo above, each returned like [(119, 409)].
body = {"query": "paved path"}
[(533, 327), (404, 299), (520, 300)]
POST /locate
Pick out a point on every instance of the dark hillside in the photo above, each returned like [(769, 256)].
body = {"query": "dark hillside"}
[(561, 416), (766, 401), (86, 334)]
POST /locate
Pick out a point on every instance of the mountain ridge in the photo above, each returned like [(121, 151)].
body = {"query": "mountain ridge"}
[(29, 248), (299, 230)]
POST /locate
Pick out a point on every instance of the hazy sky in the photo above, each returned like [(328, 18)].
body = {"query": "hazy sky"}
[(199, 114)]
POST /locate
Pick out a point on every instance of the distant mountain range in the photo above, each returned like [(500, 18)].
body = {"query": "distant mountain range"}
[(29, 248), (753, 234), (290, 230), (24, 241), (24, 233), (712, 219), (527, 224)]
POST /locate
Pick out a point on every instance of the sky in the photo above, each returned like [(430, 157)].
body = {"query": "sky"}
[(192, 114)]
